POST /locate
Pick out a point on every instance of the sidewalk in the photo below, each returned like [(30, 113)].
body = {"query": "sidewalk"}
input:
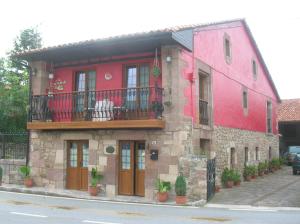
[(280, 189), (86, 195)]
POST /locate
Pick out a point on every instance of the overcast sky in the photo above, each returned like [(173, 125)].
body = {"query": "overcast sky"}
[(274, 23)]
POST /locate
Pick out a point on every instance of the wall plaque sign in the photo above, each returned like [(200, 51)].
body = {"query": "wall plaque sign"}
[(110, 149), (58, 84), (108, 76)]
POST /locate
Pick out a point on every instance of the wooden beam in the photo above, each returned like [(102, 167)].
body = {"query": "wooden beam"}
[(116, 124)]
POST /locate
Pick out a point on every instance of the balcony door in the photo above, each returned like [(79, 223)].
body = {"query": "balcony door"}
[(132, 168), (136, 82), (84, 97), (77, 165)]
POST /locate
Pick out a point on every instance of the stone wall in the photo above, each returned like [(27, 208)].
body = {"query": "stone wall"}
[(226, 138), (11, 174), (48, 158)]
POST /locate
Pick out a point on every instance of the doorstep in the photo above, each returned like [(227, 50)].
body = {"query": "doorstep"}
[(84, 195)]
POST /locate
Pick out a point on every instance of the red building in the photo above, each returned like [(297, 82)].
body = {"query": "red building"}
[(151, 105)]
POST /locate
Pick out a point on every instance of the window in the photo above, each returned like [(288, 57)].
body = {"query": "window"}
[(203, 96), (256, 154), (227, 49), (232, 158), (245, 99), (254, 69), (246, 155), (269, 117)]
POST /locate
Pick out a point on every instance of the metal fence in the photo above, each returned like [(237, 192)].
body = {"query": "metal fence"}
[(13, 154)]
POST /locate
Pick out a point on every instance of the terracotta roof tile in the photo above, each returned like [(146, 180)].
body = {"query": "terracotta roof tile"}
[(289, 110)]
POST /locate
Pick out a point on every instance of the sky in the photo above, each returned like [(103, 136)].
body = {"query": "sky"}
[(275, 25)]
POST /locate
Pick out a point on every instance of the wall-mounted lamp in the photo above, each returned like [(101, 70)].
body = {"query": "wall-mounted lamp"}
[(168, 59), (51, 75)]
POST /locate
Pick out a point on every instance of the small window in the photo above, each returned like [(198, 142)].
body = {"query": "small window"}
[(254, 69), (269, 117), (256, 153), (246, 155), (227, 49), (245, 99), (232, 158)]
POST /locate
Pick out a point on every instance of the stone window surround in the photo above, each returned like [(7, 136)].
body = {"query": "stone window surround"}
[(269, 101), (254, 71), (226, 38), (245, 109), (203, 69)]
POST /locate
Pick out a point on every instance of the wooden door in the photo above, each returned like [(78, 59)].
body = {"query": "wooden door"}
[(85, 86), (77, 165), (126, 166), (136, 82), (139, 173), (132, 168)]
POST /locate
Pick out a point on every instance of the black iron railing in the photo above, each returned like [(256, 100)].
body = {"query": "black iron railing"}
[(13, 145), (104, 105), (203, 110)]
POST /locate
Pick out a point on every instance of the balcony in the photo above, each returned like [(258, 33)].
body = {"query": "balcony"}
[(203, 110), (106, 109)]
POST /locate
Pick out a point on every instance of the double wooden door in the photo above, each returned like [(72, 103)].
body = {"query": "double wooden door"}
[(132, 168), (77, 165)]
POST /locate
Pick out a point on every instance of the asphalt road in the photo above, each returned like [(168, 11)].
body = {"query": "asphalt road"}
[(16, 208)]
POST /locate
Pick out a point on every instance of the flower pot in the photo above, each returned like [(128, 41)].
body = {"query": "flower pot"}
[(253, 177), (273, 170), (248, 178), (28, 182), (93, 190), (217, 188), (229, 184), (162, 196), (237, 183), (261, 174), (181, 200)]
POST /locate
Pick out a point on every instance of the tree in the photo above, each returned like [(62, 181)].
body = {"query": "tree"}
[(14, 79)]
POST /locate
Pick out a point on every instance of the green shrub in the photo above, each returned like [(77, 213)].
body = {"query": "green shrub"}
[(162, 186), (247, 171), (236, 176), (180, 186), (261, 167), (227, 175), (25, 171), (275, 163), (95, 177)]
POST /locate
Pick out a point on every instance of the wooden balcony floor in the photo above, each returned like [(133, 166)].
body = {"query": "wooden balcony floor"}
[(115, 124)]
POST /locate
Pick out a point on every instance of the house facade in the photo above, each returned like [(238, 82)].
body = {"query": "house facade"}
[(150, 105)]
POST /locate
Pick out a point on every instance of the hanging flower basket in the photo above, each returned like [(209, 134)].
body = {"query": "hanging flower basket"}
[(156, 69)]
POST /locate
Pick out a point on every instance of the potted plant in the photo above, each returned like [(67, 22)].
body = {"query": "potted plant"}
[(261, 169), (1, 173), (25, 172), (227, 177), (236, 178), (247, 173), (162, 187), (253, 171), (217, 188), (180, 189), (95, 178)]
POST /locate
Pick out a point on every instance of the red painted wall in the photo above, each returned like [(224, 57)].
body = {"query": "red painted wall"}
[(228, 79), (114, 68)]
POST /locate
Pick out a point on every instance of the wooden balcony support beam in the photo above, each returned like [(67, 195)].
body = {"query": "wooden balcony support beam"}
[(116, 124)]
